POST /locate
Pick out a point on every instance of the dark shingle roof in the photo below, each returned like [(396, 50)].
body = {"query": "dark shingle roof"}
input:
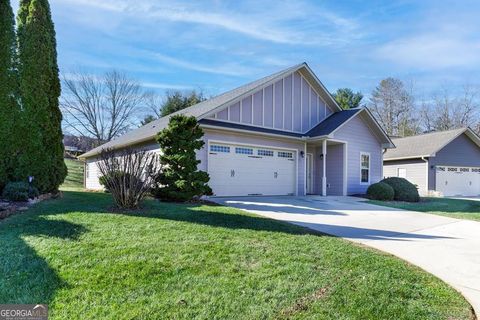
[(329, 125), (231, 125)]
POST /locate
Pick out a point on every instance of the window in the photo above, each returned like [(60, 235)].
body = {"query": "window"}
[(266, 153), (364, 168), (244, 150), (402, 173), (87, 170), (282, 154), (217, 148)]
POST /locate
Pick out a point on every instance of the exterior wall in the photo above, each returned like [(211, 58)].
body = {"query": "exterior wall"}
[(92, 179), (360, 138), (460, 152), (252, 139), (290, 104), (416, 172)]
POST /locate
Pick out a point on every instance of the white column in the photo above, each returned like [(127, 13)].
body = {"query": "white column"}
[(324, 174)]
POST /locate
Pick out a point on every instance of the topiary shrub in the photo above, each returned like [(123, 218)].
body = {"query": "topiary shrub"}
[(380, 191), (404, 190), (19, 191)]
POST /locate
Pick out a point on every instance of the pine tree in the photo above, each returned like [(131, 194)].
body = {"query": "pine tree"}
[(180, 179), (42, 149), (8, 86)]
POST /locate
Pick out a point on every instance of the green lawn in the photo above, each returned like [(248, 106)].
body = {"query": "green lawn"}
[(173, 261), (455, 208), (74, 179)]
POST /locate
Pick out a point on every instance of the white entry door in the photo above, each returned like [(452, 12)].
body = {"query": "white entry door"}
[(458, 181), (237, 170)]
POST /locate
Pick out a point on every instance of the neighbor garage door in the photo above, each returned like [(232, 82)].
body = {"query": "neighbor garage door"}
[(238, 170), (458, 181)]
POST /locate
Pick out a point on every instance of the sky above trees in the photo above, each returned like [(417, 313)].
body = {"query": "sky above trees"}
[(217, 45)]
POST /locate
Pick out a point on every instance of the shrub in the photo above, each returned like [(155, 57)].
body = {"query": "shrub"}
[(180, 180), (404, 190), (19, 191), (128, 175), (380, 191)]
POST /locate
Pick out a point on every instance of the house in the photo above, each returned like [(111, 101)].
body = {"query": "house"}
[(440, 163), (280, 135)]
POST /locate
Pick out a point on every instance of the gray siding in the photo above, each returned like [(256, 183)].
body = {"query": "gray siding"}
[(360, 138), (416, 172), (460, 152), (290, 104), (334, 170)]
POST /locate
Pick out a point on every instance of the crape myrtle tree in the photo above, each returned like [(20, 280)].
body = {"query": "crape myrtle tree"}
[(42, 148), (180, 179), (8, 92)]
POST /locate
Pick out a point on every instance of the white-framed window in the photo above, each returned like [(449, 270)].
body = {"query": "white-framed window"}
[(265, 153), (283, 154), (241, 150), (87, 170), (364, 167), (402, 173), (218, 148)]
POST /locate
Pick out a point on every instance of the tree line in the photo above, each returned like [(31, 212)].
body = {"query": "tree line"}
[(400, 113), (30, 117)]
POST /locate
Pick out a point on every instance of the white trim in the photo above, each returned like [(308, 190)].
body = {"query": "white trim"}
[(301, 103), (324, 168), (241, 110), (263, 107), (291, 97), (345, 168), (363, 153), (311, 179), (228, 113), (283, 103), (297, 154), (273, 105), (251, 110), (305, 169), (410, 157), (427, 175)]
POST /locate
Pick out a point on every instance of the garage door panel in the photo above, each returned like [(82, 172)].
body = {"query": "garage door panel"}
[(252, 171), (458, 181)]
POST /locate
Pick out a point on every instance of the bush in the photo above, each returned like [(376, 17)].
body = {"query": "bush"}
[(380, 191), (19, 191), (113, 178), (404, 190)]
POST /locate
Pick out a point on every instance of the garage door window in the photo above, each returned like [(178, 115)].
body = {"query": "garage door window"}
[(364, 167), (282, 154), (265, 153), (217, 148), (243, 150)]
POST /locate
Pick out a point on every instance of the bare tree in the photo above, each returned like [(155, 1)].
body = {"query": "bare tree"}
[(100, 107), (393, 106), (129, 175)]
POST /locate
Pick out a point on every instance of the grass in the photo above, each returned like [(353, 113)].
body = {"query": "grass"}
[(175, 261), (74, 179), (455, 208)]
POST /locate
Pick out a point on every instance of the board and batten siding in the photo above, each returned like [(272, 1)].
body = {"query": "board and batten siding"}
[(461, 152), (359, 139), (254, 140), (290, 104), (416, 170)]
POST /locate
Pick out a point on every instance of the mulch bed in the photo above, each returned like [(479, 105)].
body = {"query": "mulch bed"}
[(8, 208)]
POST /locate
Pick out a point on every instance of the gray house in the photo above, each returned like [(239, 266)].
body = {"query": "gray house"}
[(280, 135), (443, 163)]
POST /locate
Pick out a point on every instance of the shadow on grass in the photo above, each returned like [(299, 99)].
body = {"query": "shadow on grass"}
[(26, 275)]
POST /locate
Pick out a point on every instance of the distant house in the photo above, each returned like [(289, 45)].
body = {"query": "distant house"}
[(440, 163), (280, 135)]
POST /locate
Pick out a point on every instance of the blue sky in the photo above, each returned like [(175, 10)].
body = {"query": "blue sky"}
[(217, 45)]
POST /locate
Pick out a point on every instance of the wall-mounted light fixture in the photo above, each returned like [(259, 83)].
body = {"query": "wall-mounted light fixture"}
[(321, 156), (302, 154)]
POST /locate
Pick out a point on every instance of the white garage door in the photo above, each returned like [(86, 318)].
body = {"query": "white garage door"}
[(458, 181), (237, 170)]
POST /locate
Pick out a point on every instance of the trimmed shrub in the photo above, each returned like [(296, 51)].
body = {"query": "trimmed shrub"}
[(19, 191), (380, 191), (404, 190)]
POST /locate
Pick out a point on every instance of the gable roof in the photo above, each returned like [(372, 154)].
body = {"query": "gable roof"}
[(426, 145), (331, 123), (210, 106)]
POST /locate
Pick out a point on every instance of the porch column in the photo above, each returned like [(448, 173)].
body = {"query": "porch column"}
[(324, 172)]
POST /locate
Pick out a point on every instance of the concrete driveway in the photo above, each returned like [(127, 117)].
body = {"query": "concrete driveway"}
[(446, 247)]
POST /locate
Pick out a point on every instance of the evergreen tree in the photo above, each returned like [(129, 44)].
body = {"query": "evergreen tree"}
[(347, 99), (8, 92), (180, 180), (42, 149)]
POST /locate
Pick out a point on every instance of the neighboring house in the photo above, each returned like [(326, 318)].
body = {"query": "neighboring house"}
[(281, 135), (440, 163)]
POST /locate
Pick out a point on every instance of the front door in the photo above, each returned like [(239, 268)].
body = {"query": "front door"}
[(309, 173)]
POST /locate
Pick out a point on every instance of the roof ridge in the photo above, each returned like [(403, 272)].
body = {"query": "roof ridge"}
[(429, 133)]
